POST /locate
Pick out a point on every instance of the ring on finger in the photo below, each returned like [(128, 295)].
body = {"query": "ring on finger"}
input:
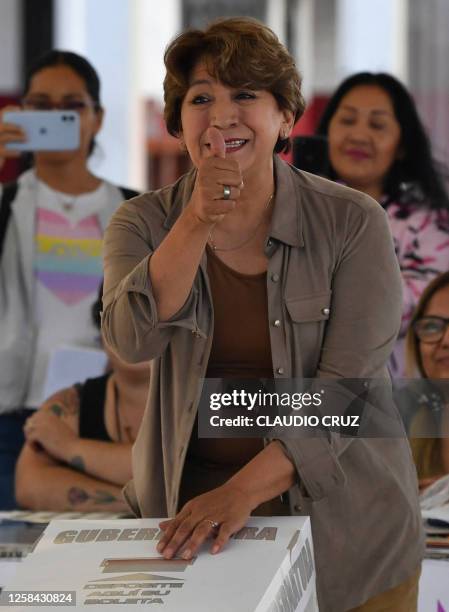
[(226, 192), (213, 524)]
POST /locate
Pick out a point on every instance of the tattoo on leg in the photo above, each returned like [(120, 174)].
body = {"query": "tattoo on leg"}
[(77, 463)]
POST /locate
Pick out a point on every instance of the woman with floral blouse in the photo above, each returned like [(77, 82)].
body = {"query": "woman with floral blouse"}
[(378, 145)]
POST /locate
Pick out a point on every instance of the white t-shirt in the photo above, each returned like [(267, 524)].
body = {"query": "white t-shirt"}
[(68, 270)]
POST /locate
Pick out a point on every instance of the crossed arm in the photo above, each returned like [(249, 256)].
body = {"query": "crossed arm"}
[(57, 470)]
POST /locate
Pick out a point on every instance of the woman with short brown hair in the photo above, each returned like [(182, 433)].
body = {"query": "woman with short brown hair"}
[(248, 268), (235, 51)]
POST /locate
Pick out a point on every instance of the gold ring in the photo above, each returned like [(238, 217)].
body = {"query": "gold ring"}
[(213, 524), (226, 192)]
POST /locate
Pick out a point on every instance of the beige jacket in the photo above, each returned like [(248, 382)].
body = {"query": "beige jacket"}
[(333, 281)]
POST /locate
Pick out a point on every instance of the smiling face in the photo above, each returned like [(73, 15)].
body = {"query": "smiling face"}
[(250, 121), (435, 357), (61, 87), (364, 138)]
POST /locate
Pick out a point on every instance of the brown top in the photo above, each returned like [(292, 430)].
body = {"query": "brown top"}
[(240, 349), (334, 285), (241, 340)]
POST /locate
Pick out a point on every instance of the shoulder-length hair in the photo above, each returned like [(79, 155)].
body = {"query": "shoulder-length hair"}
[(412, 347), (416, 164)]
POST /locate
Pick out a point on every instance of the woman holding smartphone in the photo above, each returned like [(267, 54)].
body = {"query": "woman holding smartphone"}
[(248, 268), (51, 261)]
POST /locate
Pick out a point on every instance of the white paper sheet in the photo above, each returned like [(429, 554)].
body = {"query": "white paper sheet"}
[(72, 364)]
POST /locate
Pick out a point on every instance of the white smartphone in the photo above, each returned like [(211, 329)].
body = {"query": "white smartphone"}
[(45, 130)]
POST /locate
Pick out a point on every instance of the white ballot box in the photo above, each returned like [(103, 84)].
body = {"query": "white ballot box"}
[(266, 566)]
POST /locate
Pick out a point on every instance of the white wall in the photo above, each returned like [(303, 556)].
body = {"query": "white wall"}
[(276, 15), (125, 40), (325, 45), (10, 52), (305, 44), (371, 35), (100, 31), (159, 22)]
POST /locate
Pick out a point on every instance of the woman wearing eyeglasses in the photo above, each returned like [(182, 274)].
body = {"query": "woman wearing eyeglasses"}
[(51, 260), (428, 356)]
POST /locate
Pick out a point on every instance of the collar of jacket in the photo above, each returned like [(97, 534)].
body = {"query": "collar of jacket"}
[(286, 222)]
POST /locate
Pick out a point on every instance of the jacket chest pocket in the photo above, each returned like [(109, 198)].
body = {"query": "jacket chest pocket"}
[(309, 315)]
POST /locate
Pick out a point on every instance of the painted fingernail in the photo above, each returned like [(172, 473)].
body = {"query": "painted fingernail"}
[(187, 554), (215, 549), (168, 553), (160, 547)]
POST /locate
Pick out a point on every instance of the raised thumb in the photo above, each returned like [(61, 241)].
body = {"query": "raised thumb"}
[(217, 147)]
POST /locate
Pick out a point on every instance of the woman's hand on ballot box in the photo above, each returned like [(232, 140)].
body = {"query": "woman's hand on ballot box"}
[(218, 513)]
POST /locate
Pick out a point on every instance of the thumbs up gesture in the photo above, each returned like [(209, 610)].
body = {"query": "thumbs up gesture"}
[(217, 146), (218, 183)]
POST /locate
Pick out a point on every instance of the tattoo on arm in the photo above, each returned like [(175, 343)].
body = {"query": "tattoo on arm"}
[(64, 403), (77, 496), (104, 497), (77, 463), (56, 409), (71, 400)]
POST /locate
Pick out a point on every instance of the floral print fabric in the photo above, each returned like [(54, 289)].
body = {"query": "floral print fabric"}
[(421, 238)]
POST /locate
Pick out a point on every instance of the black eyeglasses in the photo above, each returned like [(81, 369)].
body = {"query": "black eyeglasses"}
[(64, 105), (430, 329)]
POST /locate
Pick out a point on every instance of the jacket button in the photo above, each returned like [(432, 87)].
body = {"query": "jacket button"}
[(325, 311), (297, 507), (277, 323), (275, 278), (280, 371)]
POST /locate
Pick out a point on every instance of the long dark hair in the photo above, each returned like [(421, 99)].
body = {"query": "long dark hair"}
[(416, 169), (78, 64)]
